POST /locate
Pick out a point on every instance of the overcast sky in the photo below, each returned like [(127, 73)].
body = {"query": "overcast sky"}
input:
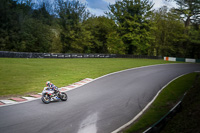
[(98, 7)]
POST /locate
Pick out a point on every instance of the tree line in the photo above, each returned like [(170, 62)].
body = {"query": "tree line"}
[(129, 27)]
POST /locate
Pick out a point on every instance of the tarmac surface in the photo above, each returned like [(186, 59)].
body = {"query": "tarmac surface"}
[(100, 106)]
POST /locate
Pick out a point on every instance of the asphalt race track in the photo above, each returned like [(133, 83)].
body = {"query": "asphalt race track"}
[(101, 106)]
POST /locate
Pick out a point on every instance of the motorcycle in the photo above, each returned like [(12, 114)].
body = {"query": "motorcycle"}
[(48, 95)]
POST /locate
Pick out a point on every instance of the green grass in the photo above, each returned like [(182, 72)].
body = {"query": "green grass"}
[(22, 76), (187, 120), (163, 103)]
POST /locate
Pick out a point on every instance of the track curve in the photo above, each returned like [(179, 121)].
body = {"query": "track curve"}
[(98, 107)]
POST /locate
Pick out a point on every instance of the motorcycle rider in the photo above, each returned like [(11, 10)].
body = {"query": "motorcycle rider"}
[(52, 87)]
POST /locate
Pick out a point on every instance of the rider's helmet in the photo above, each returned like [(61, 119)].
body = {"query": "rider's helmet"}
[(48, 83)]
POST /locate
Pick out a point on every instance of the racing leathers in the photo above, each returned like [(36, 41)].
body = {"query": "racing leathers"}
[(54, 88)]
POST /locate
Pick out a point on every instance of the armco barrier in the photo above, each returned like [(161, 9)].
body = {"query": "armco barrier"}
[(157, 127), (9, 54), (197, 60), (139, 56), (20, 54), (190, 60), (182, 59)]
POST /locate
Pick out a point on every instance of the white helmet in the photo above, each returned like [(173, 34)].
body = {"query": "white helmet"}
[(48, 83)]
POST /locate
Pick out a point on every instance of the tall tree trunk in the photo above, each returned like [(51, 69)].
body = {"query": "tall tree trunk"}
[(187, 22)]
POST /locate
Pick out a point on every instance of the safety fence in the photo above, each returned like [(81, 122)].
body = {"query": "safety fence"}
[(182, 59), (158, 126), (139, 56), (8, 54)]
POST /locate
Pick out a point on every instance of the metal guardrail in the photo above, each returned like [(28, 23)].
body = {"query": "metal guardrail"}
[(9, 54), (157, 127), (139, 56), (182, 59)]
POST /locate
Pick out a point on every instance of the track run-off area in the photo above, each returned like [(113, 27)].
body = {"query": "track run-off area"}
[(101, 106)]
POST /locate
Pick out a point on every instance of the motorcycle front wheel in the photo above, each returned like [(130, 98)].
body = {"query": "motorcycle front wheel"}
[(63, 96), (46, 98)]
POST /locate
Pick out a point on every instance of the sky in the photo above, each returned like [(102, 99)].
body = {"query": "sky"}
[(98, 7)]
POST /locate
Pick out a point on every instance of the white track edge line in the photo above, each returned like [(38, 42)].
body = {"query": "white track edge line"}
[(146, 107), (97, 79), (120, 72), (133, 69)]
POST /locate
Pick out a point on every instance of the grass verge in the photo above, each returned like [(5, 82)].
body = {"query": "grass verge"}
[(21, 76), (163, 103), (187, 121)]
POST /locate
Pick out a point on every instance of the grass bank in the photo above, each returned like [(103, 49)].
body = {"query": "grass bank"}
[(163, 103), (187, 121), (21, 76)]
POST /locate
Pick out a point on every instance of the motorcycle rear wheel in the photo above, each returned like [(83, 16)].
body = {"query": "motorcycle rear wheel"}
[(46, 98), (63, 96)]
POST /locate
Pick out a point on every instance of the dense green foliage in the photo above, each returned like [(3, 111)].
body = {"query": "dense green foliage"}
[(133, 24), (130, 27), (170, 39)]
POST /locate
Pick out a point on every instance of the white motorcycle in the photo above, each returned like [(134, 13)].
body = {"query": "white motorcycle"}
[(48, 95)]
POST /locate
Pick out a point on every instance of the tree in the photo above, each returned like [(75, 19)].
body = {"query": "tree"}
[(169, 34), (36, 37), (71, 14), (43, 15), (189, 11), (114, 43), (22, 30), (194, 43), (104, 35), (11, 22), (132, 18)]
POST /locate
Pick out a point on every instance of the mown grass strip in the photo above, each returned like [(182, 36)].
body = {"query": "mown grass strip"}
[(163, 103), (187, 120), (26, 76)]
